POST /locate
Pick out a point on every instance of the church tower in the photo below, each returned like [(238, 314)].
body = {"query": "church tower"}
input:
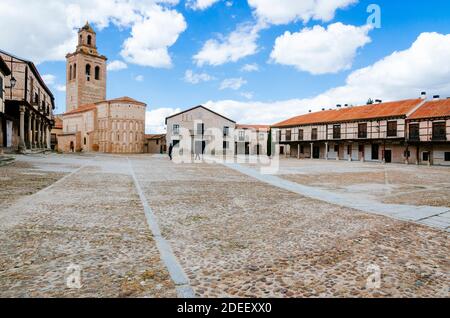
[(86, 72)]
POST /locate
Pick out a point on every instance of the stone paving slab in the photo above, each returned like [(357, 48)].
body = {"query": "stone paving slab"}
[(398, 211), (94, 219)]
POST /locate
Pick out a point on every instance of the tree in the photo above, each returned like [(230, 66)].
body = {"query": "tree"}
[(370, 101)]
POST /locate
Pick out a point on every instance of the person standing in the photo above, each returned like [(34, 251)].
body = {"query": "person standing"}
[(170, 151)]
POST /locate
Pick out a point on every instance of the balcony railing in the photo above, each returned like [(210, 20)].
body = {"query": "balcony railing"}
[(439, 138)]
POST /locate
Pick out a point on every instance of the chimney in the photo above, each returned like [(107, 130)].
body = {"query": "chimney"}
[(310, 111), (378, 101), (323, 109), (338, 105), (423, 95), (436, 97), (346, 105)]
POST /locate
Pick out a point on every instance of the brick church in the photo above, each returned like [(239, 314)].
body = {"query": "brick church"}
[(92, 123)]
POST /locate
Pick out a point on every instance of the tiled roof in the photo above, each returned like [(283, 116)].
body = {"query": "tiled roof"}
[(155, 136), (82, 109), (126, 99), (433, 109), (255, 127), (375, 111)]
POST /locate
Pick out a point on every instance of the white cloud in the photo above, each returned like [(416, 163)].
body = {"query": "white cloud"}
[(237, 45), (47, 32), (49, 79), (248, 95), (318, 50), (151, 38), (155, 119), (61, 88), (195, 78), (139, 78), (233, 83), (250, 68), (286, 11), (117, 66), (424, 66), (200, 4)]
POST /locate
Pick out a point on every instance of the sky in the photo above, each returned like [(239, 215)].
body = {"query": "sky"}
[(256, 61)]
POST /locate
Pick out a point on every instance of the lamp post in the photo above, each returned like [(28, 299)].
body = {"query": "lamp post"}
[(13, 83)]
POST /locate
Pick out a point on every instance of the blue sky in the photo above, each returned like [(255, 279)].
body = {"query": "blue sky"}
[(288, 79)]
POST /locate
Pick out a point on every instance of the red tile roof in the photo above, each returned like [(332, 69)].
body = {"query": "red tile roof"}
[(126, 99), (82, 109), (255, 127), (155, 136), (433, 109), (384, 110)]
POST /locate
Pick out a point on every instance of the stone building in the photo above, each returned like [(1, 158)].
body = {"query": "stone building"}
[(201, 130), (28, 107), (155, 144), (92, 123), (86, 72), (4, 72), (407, 131)]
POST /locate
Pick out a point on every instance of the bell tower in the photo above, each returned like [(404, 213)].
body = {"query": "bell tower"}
[(86, 71)]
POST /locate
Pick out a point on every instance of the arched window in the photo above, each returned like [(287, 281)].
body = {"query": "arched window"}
[(89, 40), (88, 72), (81, 39), (70, 73), (97, 73), (75, 71)]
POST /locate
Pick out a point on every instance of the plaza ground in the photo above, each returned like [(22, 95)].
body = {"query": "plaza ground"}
[(231, 231)]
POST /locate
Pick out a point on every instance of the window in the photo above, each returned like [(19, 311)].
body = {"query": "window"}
[(336, 148), (70, 73), (361, 148), (447, 156), (88, 72), (414, 132), (337, 132), (241, 135), (225, 145), (200, 129), (75, 71), (226, 131), (314, 134), (36, 98), (425, 156), (176, 129), (362, 131), (439, 132), (302, 149), (97, 73), (392, 129), (288, 135), (85, 141), (89, 40), (375, 151), (300, 134)]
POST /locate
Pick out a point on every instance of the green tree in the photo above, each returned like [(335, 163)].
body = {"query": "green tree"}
[(370, 101)]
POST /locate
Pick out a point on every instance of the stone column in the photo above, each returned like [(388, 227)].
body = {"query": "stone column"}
[(48, 135), (34, 131), (38, 137), (22, 146), (30, 131), (312, 151), (326, 151)]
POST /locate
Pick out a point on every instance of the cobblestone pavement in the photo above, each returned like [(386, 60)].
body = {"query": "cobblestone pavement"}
[(233, 236), (236, 236), (94, 219)]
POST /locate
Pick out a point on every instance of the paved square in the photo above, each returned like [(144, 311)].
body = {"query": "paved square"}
[(230, 233)]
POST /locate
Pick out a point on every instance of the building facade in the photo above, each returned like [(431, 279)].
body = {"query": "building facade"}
[(4, 72), (27, 116), (111, 126), (91, 122), (398, 132), (155, 144), (200, 130)]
